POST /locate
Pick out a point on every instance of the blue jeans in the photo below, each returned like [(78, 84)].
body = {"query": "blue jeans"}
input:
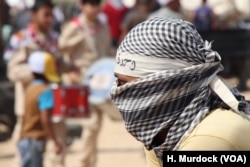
[(31, 151)]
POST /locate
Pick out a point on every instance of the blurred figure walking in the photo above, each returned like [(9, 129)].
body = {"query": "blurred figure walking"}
[(115, 12), (85, 40), (136, 15), (39, 102), (204, 18), (170, 8)]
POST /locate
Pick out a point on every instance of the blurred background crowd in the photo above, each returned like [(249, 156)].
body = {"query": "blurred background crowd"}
[(121, 15), (228, 14)]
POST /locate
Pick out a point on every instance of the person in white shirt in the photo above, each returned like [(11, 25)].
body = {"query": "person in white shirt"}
[(170, 8)]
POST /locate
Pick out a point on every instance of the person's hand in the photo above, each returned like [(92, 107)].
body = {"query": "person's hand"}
[(58, 148)]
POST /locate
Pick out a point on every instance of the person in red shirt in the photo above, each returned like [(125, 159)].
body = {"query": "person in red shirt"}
[(115, 12)]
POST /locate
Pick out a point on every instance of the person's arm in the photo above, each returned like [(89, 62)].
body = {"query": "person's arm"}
[(47, 125), (70, 38), (191, 16), (110, 50), (125, 27), (123, 34), (16, 57), (65, 66), (46, 104), (214, 20), (68, 42)]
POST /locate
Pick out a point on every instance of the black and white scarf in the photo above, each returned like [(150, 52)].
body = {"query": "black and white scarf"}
[(173, 99)]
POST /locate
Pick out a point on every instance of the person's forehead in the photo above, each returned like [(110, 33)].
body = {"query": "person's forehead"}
[(44, 9)]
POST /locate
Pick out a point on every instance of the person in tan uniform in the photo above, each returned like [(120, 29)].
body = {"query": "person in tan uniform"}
[(85, 40), (36, 37)]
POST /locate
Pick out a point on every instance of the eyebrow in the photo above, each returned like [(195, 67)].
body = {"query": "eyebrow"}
[(115, 75)]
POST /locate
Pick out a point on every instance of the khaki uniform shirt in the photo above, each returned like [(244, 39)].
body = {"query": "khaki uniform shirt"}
[(21, 45), (84, 42)]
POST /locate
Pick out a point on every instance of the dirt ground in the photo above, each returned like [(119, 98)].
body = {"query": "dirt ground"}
[(115, 148)]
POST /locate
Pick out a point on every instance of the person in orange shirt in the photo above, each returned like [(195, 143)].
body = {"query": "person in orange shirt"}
[(39, 102)]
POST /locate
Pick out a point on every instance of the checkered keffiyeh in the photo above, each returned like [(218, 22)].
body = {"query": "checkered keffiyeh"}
[(176, 99)]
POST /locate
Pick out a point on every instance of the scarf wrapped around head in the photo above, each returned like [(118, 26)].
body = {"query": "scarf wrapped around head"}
[(177, 85)]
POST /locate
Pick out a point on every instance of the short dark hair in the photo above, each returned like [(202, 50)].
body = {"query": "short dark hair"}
[(42, 3), (92, 2), (144, 2), (40, 77)]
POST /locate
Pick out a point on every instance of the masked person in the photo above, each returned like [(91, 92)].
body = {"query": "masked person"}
[(170, 96)]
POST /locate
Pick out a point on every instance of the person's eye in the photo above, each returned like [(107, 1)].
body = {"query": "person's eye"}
[(120, 82)]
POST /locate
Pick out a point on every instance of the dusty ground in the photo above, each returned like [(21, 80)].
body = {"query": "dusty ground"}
[(116, 148)]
